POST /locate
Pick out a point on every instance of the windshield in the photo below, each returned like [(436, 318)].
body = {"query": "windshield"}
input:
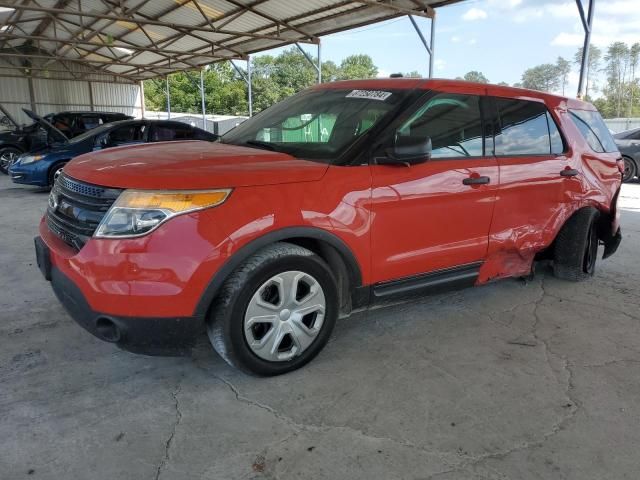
[(316, 124)]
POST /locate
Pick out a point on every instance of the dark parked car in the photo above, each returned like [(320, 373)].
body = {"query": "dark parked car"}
[(20, 139), (43, 166), (629, 145)]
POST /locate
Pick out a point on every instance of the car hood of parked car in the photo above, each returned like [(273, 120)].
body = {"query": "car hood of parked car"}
[(191, 165)]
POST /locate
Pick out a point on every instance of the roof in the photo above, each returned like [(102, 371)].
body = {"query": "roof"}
[(140, 39), (462, 86)]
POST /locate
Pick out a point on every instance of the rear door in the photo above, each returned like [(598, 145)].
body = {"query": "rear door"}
[(536, 179), (435, 215)]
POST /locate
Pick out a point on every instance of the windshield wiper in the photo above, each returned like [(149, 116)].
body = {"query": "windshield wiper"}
[(260, 144)]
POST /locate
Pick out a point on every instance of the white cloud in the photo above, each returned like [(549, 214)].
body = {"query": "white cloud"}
[(474, 14), (565, 39), (455, 39), (472, 41)]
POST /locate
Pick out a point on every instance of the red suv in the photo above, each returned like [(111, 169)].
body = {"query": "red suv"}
[(346, 194)]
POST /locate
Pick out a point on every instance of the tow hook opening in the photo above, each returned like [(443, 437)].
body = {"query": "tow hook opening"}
[(107, 330)]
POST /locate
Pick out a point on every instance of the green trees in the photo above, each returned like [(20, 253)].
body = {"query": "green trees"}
[(273, 78), (541, 77), (563, 67), (475, 76)]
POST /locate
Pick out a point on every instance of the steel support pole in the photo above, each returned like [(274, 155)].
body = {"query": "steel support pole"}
[(587, 23), (204, 112), (433, 43), (319, 62), (142, 105), (317, 67), (168, 100), (249, 89), (428, 47)]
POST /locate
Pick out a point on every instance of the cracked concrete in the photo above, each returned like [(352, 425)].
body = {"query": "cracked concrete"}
[(512, 380)]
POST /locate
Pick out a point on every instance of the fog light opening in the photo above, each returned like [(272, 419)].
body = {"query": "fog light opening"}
[(107, 330)]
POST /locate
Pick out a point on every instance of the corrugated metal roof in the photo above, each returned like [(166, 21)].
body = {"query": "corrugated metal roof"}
[(139, 39)]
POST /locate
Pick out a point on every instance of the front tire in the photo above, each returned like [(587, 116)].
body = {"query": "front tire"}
[(276, 312), (630, 170), (55, 172), (576, 249)]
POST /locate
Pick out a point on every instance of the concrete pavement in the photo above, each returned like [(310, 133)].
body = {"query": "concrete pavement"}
[(506, 381)]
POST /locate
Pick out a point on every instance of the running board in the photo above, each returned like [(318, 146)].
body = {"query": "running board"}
[(448, 279)]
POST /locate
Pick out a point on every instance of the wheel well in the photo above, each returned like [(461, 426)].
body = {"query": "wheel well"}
[(603, 226), (326, 245), (337, 263), (11, 146), (54, 166)]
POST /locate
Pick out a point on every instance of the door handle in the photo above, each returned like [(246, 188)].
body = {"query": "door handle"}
[(569, 172), (476, 181)]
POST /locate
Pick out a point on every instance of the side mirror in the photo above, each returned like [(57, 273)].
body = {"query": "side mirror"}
[(408, 151)]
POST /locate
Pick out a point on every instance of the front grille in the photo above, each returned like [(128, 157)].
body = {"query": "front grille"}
[(76, 209)]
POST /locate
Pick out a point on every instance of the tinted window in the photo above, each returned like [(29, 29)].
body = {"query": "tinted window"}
[(453, 122), (524, 128), (167, 133), (594, 130), (89, 122), (127, 134)]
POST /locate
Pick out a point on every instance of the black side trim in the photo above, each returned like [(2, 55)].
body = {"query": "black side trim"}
[(450, 278), (286, 233)]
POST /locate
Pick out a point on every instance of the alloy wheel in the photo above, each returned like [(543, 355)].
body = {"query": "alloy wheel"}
[(284, 316), (6, 159), (629, 170)]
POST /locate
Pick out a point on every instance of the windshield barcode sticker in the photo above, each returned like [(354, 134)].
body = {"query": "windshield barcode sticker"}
[(369, 94)]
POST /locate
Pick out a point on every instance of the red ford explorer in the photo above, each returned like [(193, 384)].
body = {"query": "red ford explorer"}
[(343, 195)]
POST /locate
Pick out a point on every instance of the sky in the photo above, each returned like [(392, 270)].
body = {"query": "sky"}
[(500, 38)]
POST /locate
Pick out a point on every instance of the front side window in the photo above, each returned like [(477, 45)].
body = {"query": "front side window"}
[(453, 122), (524, 129), (594, 130), (317, 124)]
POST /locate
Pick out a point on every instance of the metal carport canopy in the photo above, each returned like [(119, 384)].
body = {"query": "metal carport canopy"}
[(140, 39)]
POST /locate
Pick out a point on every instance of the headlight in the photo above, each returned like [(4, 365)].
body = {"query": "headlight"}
[(30, 159), (137, 212)]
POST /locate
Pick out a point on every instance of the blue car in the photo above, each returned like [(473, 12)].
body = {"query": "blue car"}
[(42, 167)]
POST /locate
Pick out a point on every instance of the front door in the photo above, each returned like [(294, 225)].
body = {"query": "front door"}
[(435, 215)]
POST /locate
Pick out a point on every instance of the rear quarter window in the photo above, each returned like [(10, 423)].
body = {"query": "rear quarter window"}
[(594, 130)]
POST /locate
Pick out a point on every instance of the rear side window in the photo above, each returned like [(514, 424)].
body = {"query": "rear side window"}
[(526, 128), (594, 130), (452, 121), (168, 132)]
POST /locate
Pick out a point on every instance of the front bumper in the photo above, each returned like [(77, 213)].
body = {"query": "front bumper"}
[(32, 175), (145, 335)]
